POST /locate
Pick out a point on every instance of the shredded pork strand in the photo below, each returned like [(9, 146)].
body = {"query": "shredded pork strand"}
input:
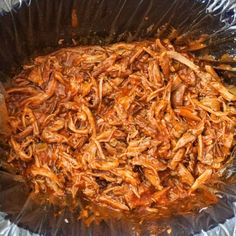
[(119, 123)]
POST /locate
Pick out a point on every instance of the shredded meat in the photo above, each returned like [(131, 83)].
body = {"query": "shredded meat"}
[(126, 125)]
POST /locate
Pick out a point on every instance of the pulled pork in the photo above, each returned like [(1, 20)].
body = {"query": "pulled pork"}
[(128, 126)]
